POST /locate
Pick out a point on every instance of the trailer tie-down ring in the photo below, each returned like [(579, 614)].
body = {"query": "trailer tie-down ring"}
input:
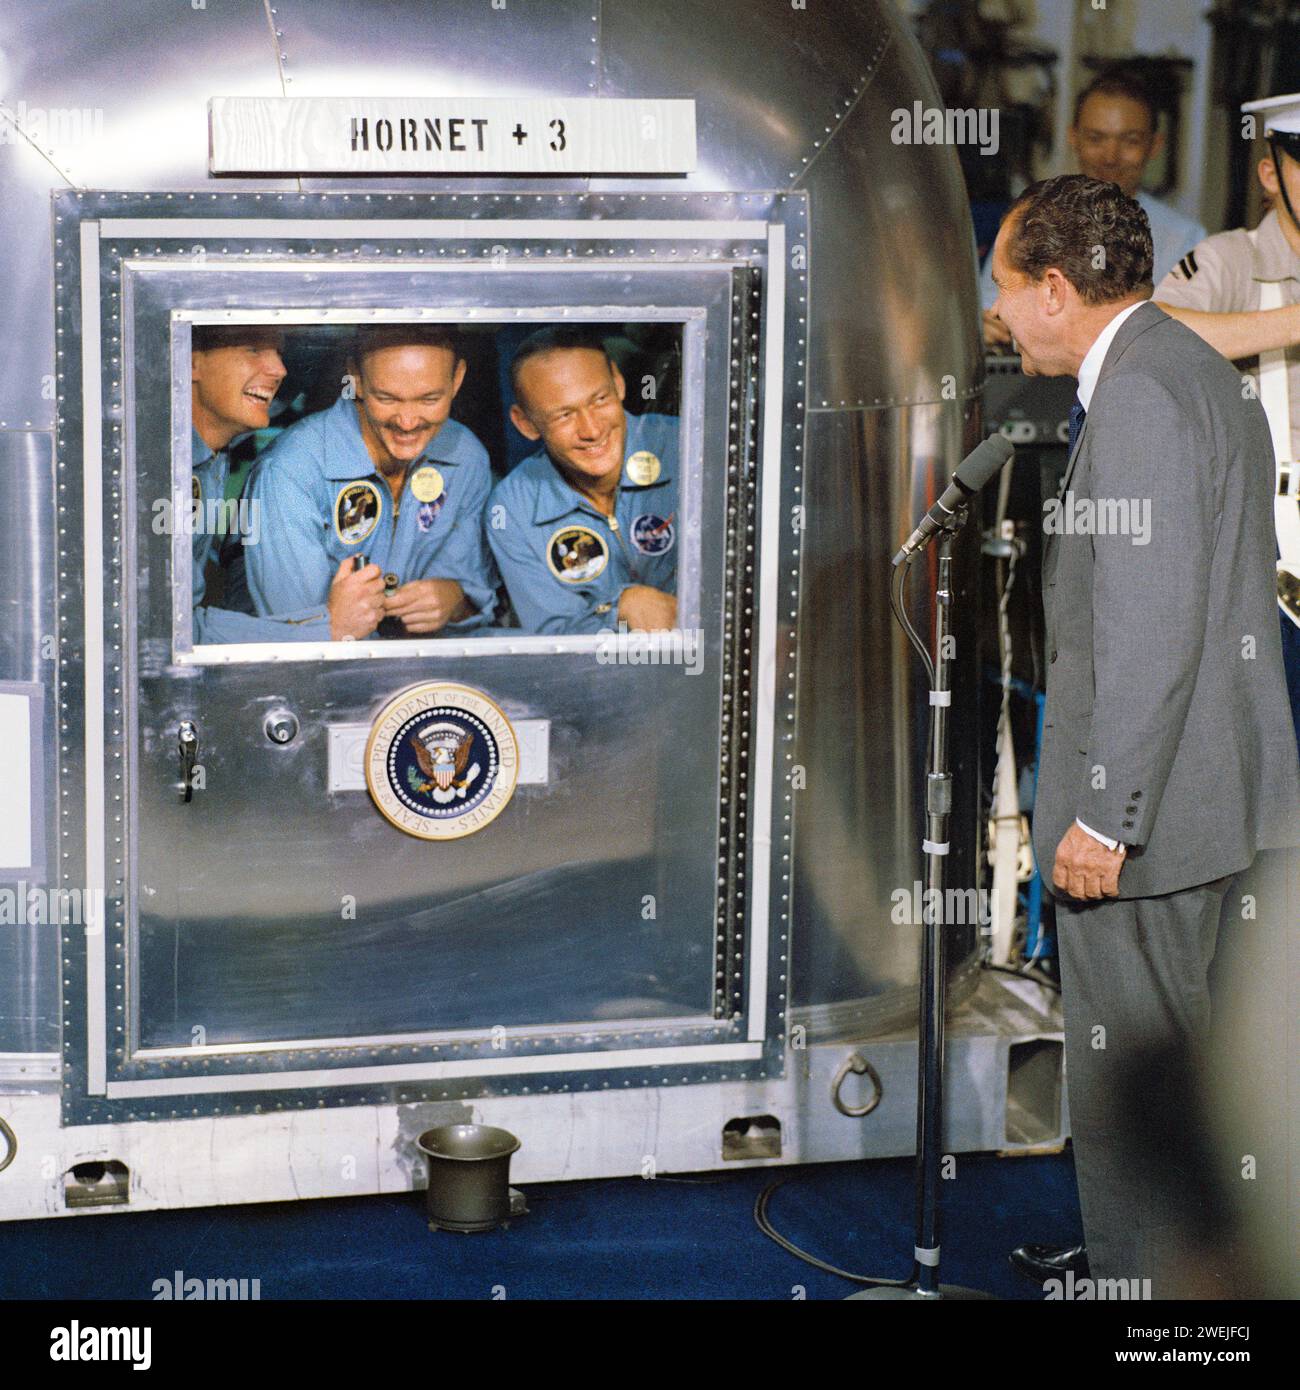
[(858, 1064), (11, 1145)]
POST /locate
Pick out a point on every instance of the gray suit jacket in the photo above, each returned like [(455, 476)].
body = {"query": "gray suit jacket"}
[(1167, 722)]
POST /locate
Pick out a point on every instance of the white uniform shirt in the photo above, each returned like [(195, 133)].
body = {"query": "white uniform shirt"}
[(1223, 275)]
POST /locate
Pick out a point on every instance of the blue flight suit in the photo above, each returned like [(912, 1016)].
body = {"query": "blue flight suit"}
[(322, 499), (312, 624), (565, 563)]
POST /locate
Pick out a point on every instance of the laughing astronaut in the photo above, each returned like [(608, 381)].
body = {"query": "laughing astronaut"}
[(383, 482), (585, 530), (236, 372)]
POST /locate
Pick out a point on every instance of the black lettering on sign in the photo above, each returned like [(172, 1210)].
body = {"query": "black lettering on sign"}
[(431, 133), (559, 142)]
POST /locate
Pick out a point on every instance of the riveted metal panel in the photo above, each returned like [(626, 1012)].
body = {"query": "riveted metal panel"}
[(736, 1024), (887, 240), (29, 967), (96, 96), (895, 309), (771, 82), (861, 825), (524, 48)]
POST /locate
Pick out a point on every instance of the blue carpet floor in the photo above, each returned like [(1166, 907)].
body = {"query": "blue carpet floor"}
[(689, 1237)]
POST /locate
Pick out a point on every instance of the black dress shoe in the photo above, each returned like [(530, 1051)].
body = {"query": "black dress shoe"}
[(1043, 1262)]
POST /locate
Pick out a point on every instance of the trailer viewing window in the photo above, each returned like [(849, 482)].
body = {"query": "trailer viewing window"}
[(393, 480)]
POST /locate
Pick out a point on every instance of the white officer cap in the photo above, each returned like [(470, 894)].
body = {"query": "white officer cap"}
[(1281, 115)]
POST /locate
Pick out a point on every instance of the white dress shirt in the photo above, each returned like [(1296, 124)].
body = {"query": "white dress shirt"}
[(1090, 367)]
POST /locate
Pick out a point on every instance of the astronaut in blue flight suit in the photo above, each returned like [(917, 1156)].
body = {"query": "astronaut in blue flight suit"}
[(387, 476), (585, 530), (236, 371)]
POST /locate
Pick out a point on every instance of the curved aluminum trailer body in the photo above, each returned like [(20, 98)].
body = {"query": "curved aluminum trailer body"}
[(685, 920)]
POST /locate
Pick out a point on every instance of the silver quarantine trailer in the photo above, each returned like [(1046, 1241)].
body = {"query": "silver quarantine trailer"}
[(672, 923)]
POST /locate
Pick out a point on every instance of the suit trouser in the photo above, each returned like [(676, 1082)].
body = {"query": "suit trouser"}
[(1136, 998)]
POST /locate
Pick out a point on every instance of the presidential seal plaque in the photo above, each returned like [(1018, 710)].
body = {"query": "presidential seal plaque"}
[(442, 761)]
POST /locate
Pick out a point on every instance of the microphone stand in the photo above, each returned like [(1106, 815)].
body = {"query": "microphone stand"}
[(924, 1282)]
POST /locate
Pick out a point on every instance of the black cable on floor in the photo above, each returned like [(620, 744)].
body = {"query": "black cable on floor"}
[(770, 1231)]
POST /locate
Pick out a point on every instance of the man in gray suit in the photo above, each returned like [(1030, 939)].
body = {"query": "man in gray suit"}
[(1168, 755)]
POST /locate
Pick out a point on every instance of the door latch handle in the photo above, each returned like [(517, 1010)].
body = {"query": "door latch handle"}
[(187, 744)]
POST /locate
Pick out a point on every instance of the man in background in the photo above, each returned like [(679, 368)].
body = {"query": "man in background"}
[(1114, 137)]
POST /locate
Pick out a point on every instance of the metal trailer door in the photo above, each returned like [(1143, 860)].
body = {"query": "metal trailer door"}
[(275, 941)]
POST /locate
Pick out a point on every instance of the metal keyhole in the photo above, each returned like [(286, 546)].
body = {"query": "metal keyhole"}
[(187, 743), (281, 726)]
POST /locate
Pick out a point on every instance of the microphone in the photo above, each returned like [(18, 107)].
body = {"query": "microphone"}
[(972, 473)]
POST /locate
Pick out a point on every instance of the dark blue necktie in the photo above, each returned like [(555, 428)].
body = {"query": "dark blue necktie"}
[(1077, 416)]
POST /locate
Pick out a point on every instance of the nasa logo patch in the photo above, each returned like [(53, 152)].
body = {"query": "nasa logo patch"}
[(356, 512), (442, 761), (652, 535), (577, 554)]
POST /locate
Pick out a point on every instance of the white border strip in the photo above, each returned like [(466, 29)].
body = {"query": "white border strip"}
[(760, 806), (652, 649), (534, 1032), (430, 228), (92, 449), (468, 265), (20, 1069), (480, 315), (437, 1071)]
